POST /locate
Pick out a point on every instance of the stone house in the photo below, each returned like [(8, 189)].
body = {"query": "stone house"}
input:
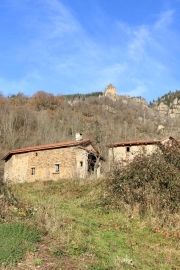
[(70, 159), (125, 152)]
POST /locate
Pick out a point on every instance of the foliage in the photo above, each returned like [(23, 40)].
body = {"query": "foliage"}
[(169, 97), (93, 94), (171, 153), (10, 207), (151, 182), (46, 118), (43, 101), (7, 199)]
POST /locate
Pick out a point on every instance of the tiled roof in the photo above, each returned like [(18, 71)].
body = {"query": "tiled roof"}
[(46, 147), (129, 143)]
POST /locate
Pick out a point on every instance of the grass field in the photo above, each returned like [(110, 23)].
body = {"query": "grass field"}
[(16, 239), (79, 233)]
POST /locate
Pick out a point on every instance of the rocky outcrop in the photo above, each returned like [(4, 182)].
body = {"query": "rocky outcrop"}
[(163, 108), (139, 100), (172, 109), (167, 105), (111, 92)]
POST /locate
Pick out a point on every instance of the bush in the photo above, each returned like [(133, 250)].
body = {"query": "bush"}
[(151, 182), (10, 207)]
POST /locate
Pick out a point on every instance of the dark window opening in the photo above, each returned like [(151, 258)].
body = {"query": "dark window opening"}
[(128, 149), (33, 170), (36, 154), (81, 163), (57, 168), (91, 162)]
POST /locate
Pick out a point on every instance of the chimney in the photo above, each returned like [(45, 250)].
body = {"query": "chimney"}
[(78, 136)]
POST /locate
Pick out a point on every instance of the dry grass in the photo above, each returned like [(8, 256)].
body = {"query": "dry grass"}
[(82, 234)]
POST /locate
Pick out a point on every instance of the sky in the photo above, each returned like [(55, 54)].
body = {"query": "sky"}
[(76, 46)]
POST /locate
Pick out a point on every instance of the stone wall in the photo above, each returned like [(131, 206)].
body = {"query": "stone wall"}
[(127, 153), (72, 162)]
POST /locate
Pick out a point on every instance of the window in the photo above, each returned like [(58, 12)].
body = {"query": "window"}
[(128, 149), (91, 162), (33, 170), (57, 168), (81, 163)]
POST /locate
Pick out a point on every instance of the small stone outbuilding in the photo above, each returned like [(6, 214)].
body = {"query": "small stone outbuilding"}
[(125, 152), (73, 159)]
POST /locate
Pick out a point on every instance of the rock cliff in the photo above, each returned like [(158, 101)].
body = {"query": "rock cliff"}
[(169, 104)]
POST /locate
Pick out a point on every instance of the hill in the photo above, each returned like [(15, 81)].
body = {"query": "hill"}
[(169, 104), (170, 98), (45, 118)]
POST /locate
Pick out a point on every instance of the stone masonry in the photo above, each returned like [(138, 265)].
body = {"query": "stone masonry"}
[(48, 164)]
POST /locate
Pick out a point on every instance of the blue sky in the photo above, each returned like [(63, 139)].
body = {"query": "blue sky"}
[(70, 46)]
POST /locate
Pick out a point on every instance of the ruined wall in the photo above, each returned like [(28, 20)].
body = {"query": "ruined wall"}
[(111, 92), (72, 161), (127, 153), (81, 163), (83, 170)]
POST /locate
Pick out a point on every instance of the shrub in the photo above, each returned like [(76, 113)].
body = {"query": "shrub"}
[(10, 207), (151, 182)]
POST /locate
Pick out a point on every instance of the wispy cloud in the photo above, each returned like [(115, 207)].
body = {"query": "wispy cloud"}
[(59, 53), (137, 47), (164, 19)]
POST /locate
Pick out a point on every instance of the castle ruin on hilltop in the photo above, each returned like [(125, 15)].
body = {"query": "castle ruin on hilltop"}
[(111, 92)]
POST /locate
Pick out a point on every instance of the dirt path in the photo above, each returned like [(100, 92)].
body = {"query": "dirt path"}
[(42, 259)]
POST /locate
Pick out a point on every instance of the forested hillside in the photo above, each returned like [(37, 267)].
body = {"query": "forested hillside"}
[(169, 98), (44, 118), (168, 104)]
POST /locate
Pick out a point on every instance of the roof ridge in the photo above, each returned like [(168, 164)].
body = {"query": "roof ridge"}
[(134, 142), (137, 142), (46, 147)]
